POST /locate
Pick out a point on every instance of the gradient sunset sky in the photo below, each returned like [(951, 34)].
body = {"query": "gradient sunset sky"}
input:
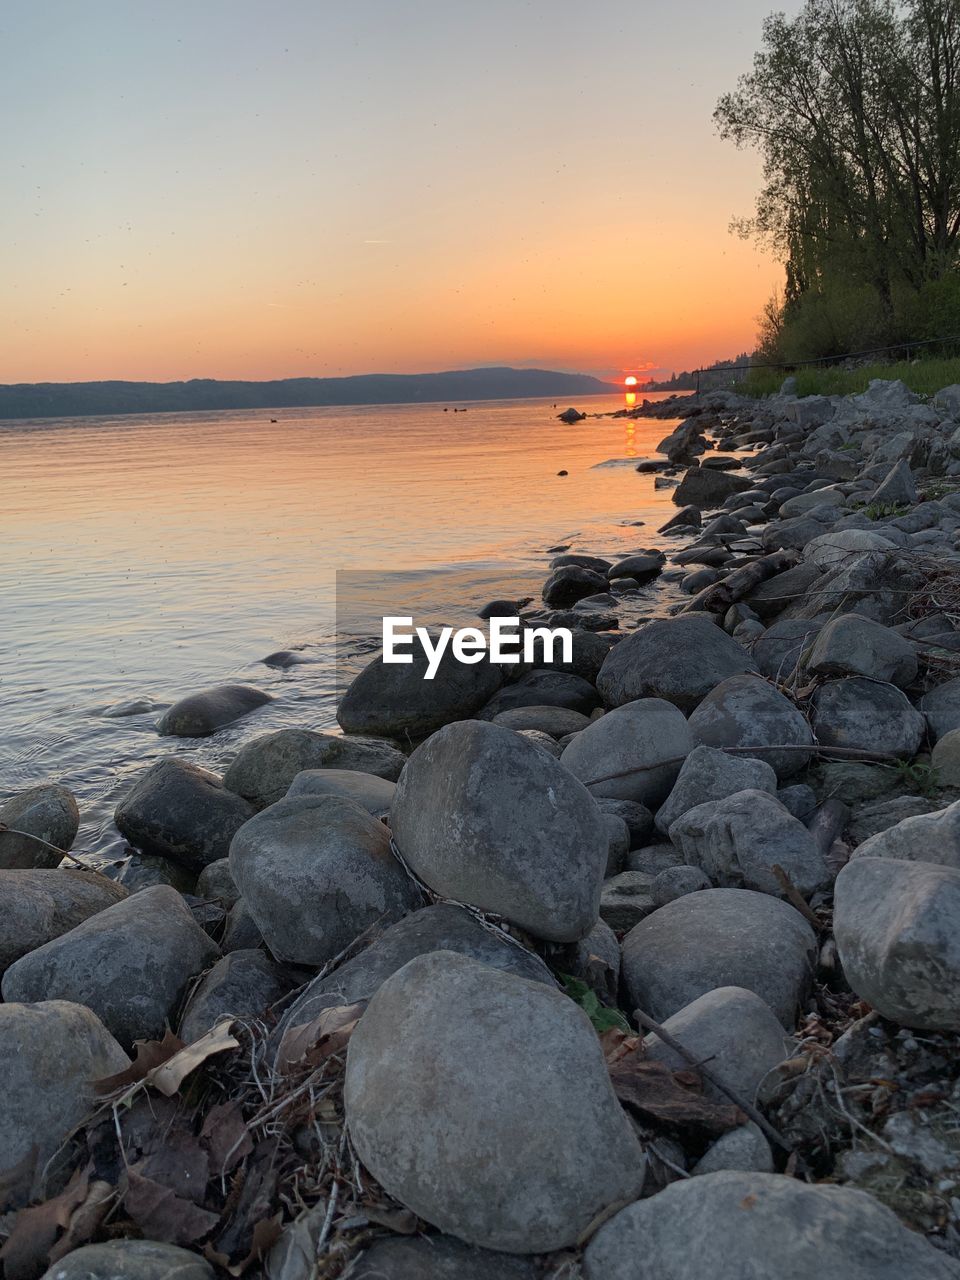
[(240, 189)]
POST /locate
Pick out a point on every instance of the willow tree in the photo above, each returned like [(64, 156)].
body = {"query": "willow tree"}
[(855, 108)]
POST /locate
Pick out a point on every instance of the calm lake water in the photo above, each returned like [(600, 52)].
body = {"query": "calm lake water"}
[(150, 557)]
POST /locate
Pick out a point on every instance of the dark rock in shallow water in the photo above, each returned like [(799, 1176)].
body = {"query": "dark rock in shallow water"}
[(396, 701), (285, 658), (48, 811), (570, 583), (701, 487), (503, 608), (201, 714), (641, 567), (594, 563), (180, 811), (264, 768)]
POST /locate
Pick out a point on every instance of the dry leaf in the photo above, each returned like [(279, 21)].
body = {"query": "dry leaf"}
[(658, 1093), (225, 1136), (168, 1077), (85, 1220), (148, 1055), (163, 1215), (326, 1034), (26, 1253)]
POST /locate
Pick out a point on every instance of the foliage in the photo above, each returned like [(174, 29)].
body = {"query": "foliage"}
[(602, 1016), (923, 376)]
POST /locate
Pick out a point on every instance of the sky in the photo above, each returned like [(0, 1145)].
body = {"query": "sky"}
[(281, 188)]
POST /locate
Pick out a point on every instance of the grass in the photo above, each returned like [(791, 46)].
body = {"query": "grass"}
[(923, 376)]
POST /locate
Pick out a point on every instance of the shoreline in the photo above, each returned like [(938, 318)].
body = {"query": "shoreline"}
[(648, 831)]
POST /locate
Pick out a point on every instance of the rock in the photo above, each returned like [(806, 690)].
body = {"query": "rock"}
[(144, 870), (719, 938), (589, 651), (543, 688), (678, 659), (48, 811), (677, 882), (37, 906), (49, 1055), (898, 489), (874, 584), (618, 843), (654, 858), (923, 837), (746, 711), (130, 1260), (571, 415), (449, 1047), (744, 1148), (702, 487), (686, 518), (730, 1225), (543, 741), (709, 774), (395, 700), (734, 1032), (369, 791), (776, 594), (650, 735), (485, 818), (130, 964), (443, 927), (243, 984), (437, 1258), (503, 608), (851, 645), (240, 931), (626, 899), (738, 841), (866, 715), (897, 926), (800, 800), (637, 816), (945, 759), (315, 871), (555, 721), (595, 959), (885, 814), (263, 769), (217, 883), (570, 583), (778, 651), (284, 659), (179, 811), (641, 567), (836, 549), (941, 708), (810, 501), (201, 714)]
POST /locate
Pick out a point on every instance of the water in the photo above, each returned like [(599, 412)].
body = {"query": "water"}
[(147, 557)]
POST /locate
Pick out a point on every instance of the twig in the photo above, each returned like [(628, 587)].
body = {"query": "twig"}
[(794, 896), (747, 1108), (46, 843)]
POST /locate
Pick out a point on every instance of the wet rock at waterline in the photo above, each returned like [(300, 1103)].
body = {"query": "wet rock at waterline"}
[(178, 810), (516, 1072), (201, 714), (130, 964), (570, 583), (264, 768), (315, 871), (484, 817), (49, 812), (39, 905), (50, 1054), (645, 742)]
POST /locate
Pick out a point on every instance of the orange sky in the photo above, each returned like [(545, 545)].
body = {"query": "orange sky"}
[(271, 191)]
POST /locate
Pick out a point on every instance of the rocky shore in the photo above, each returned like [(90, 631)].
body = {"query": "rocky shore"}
[(640, 966)]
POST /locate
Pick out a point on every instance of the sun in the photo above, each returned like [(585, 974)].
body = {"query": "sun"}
[(630, 381)]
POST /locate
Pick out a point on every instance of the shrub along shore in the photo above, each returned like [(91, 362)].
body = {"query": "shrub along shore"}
[(645, 964)]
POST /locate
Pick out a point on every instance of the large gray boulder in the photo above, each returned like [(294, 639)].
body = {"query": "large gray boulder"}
[(373, 793), (851, 645), (897, 926), (922, 837), (36, 906), (201, 714), (678, 659), (710, 774), (834, 550), (49, 1055), (394, 700), (719, 938), (739, 840), (733, 1225), (179, 811), (734, 1032), (555, 721), (443, 927), (746, 711), (648, 735), (484, 817), (941, 708), (867, 715), (130, 964), (130, 1260), (243, 984), (483, 1103), (315, 872), (570, 583), (703, 487), (48, 811), (263, 769)]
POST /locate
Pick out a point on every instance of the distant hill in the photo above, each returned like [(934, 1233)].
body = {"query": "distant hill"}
[(71, 399)]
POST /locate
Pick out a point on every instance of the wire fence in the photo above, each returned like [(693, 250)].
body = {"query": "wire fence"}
[(788, 366)]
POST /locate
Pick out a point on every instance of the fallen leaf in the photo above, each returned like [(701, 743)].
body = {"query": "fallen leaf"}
[(225, 1136), (85, 1220), (326, 1034), (148, 1055), (27, 1250), (163, 1215), (655, 1091), (168, 1077)]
